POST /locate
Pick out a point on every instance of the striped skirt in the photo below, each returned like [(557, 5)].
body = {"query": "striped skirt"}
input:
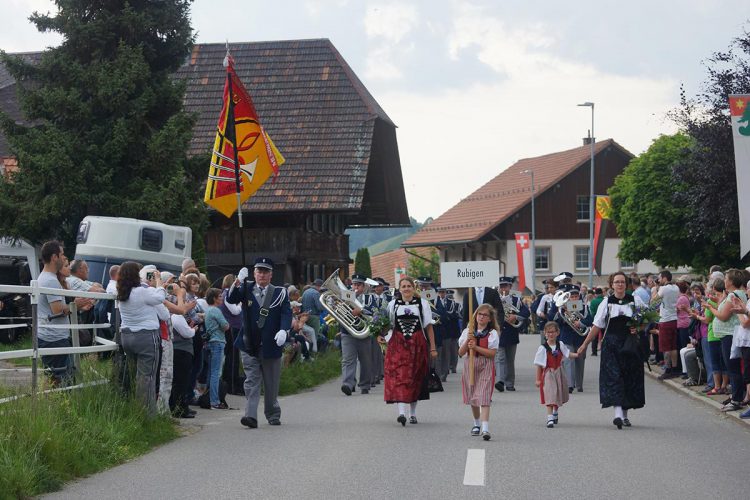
[(484, 381)]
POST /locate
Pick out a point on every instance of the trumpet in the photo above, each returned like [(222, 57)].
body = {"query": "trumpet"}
[(570, 317), (342, 310), (508, 309)]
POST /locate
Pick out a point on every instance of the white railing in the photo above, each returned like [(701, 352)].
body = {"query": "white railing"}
[(98, 344)]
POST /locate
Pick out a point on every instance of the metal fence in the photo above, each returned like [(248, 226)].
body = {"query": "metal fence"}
[(99, 344)]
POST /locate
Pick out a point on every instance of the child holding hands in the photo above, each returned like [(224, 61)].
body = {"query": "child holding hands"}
[(550, 376), (481, 336)]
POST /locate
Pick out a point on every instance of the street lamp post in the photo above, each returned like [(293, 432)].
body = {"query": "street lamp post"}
[(592, 201), (533, 234)]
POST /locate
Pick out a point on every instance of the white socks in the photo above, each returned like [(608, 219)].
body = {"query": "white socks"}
[(618, 412), (413, 407), (402, 408), (624, 413), (476, 422), (485, 426)]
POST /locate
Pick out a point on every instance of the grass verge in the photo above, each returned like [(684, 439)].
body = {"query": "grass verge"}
[(302, 376), (22, 343), (65, 435)]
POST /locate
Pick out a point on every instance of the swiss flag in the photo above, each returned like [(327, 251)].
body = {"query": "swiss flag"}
[(525, 263)]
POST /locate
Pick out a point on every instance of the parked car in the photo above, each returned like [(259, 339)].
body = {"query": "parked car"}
[(19, 263)]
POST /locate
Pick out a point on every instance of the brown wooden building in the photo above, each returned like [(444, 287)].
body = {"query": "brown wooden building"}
[(342, 164)]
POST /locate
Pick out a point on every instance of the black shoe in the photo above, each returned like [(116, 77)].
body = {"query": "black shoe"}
[(274, 421), (593, 354), (570, 390), (499, 386), (618, 422), (187, 415), (346, 390), (401, 420), (249, 422), (365, 391), (413, 420), (510, 389), (626, 422), (486, 436), (444, 378), (453, 370), (580, 389)]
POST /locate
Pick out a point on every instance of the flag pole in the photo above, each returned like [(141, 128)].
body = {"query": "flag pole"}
[(237, 181)]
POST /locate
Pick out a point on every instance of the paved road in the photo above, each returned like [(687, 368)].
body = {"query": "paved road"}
[(333, 446)]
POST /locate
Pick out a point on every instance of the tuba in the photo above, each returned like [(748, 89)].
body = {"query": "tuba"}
[(508, 309), (570, 317), (341, 310)]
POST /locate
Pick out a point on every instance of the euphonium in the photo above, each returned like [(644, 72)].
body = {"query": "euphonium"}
[(508, 309), (342, 310), (570, 317)]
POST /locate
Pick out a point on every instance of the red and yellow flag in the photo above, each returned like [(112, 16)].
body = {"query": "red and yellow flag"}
[(244, 157), (601, 221)]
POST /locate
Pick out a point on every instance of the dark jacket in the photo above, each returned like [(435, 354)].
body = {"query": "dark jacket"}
[(257, 341), (509, 334), (491, 297), (568, 336)]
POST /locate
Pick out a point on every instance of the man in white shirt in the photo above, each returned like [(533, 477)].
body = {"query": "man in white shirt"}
[(668, 293)]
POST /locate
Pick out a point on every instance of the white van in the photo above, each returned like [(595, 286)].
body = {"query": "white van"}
[(105, 241)]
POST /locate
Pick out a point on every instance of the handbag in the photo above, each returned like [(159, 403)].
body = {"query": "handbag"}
[(631, 346), (433, 381)]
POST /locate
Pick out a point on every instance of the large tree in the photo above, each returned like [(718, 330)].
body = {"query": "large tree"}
[(650, 224), (708, 173), (107, 134)]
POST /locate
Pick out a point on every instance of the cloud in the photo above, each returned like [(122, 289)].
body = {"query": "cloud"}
[(387, 27), (317, 7), (462, 137), (23, 36)]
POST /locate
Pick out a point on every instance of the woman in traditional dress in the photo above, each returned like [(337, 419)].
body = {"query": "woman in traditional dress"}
[(481, 336), (407, 354), (621, 383)]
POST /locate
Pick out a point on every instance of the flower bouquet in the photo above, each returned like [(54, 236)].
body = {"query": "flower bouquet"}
[(380, 323), (642, 315)]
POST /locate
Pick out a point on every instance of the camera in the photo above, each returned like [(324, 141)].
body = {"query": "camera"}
[(150, 275), (170, 289)]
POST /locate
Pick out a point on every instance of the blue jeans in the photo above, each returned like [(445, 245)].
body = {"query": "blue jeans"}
[(707, 362), (717, 362), (60, 366), (215, 359)]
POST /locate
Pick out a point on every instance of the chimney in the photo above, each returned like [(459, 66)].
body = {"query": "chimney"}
[(586, 141)]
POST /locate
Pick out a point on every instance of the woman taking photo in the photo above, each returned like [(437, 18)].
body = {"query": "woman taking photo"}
[(140, 311), (407, 354), (621, 375)]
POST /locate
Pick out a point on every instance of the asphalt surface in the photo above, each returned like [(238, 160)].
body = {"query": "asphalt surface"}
[(333, 446)]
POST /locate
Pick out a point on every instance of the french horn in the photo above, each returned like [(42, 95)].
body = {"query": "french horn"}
[(508, 309), (570, 317)]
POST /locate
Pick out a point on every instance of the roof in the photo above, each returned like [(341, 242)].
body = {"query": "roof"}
[(316, 110), (318, 113), (490, 205), (384, 265)]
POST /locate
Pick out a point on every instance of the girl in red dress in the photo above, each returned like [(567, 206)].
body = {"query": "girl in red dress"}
[(482, 336), (550, 376), (406, 358)]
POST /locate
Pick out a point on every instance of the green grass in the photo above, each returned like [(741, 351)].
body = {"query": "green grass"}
[(22, 343), (298, 376), (61, 436)]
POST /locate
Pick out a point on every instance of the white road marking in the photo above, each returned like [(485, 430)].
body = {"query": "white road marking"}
[(474, 472)]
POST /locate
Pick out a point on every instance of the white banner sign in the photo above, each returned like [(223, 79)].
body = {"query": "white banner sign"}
[(468, 274), (739, 106)]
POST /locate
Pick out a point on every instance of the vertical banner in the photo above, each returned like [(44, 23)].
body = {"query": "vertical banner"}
[(525, 262), (601, 221), (740, 111), (398, 273)]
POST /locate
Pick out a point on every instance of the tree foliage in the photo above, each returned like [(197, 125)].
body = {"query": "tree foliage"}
[(362, 263), (708, 173), (677, 203), (650, 224), (107, 134), (420, 267)]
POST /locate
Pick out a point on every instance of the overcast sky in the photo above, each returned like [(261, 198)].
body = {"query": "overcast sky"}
[(476, 85)]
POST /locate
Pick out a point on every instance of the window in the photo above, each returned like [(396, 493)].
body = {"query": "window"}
[(626, 264), (151, 239), (582, 208), (541, 262), (582, 257)]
